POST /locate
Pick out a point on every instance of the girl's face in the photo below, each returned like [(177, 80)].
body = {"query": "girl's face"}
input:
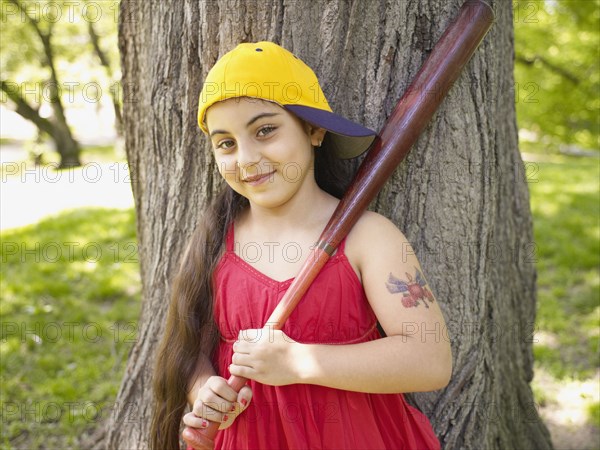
[(263, 152)]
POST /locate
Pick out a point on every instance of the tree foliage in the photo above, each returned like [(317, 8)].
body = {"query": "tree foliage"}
[(22, 52), (57, 53), (557, 70)]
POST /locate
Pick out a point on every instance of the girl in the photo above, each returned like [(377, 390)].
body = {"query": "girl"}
[(328, 379)]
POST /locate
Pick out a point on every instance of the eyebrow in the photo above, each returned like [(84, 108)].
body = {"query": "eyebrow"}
[(250, 122)]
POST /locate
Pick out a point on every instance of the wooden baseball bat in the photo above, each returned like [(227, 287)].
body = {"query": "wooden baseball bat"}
[(411, 115)]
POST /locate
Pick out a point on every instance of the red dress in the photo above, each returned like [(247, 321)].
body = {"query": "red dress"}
[(335, 310)]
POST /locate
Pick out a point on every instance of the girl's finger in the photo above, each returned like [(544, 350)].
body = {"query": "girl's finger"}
[(214, 401), (191, 420), (240, 359), (228, 419), (213, 415), (241, 371), (241, 347), (244, 397), (222, 390), (211, 411)]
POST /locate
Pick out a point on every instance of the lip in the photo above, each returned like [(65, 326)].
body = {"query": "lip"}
[(258, 179)]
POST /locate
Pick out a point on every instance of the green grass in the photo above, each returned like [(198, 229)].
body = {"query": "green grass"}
[(594, 413), (565, 206), (70, 302)]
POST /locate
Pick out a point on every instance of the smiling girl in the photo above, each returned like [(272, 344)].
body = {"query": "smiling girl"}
[(329, 379)]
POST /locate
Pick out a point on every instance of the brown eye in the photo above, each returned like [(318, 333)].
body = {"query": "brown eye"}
[(225, 144), (266, 130)]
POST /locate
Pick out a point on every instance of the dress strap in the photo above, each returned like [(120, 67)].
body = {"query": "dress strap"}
[(229, 239)]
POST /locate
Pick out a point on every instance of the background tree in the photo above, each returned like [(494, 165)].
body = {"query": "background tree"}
[(106, 61), (558, 54), (461, 196), (54, 36), (57, 128)]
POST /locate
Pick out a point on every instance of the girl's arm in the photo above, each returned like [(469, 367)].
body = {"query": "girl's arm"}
[(415, 355), (390, 365)]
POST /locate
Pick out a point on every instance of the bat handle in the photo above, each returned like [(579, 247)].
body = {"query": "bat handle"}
[(204, 439)]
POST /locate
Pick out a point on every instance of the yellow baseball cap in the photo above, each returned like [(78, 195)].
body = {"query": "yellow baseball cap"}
[(267, 71)]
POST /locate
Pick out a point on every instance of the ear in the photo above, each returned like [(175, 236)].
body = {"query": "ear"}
[(317, 135)]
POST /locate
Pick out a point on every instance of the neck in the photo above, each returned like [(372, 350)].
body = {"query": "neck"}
[(309, 208)]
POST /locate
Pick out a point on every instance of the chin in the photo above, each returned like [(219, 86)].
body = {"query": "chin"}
[(270, 202)]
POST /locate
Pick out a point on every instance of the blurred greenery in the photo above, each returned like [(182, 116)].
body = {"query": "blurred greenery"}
[(64, 343), (57, 55), (557, 72), (594, 413), (566, 211), (22, 54)]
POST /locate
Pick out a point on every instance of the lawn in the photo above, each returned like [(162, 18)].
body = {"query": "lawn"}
[(566, 210), (70, 301), (71, 297), (565, 203)]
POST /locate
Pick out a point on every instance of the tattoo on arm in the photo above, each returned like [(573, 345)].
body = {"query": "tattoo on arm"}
[(414, 290)]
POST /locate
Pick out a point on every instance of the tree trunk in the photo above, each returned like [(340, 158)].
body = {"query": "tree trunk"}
[(65, 144), (461, 197)]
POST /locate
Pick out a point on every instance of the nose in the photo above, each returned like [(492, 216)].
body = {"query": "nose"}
[(247, 154)]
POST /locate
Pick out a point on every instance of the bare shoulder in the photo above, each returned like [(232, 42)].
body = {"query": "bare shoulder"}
[(395, 284), (371, 221), (373, 236)]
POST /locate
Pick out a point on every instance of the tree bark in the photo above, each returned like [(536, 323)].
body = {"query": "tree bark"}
[(461, 196)]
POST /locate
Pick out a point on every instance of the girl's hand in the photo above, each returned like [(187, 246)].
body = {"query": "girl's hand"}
[(217, 402), (267, 356)]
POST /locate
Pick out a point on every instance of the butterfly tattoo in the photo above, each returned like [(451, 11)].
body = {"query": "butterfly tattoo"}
[(414, 290)]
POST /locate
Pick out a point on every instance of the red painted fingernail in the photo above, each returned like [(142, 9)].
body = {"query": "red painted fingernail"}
[(225, 418), (232, 409), (244, 402), (204, 423)]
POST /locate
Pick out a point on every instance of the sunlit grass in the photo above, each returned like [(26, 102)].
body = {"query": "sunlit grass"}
[(71, 298), (565, 206), (566, 210)]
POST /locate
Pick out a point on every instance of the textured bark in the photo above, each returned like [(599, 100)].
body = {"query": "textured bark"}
[(461, 196)]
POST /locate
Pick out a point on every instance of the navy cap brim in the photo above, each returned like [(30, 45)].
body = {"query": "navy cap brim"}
[(346, 140)]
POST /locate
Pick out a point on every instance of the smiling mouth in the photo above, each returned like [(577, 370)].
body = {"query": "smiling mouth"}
[(258, 178)]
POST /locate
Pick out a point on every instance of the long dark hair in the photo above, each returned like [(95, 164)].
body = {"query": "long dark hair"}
[(190, 328)]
